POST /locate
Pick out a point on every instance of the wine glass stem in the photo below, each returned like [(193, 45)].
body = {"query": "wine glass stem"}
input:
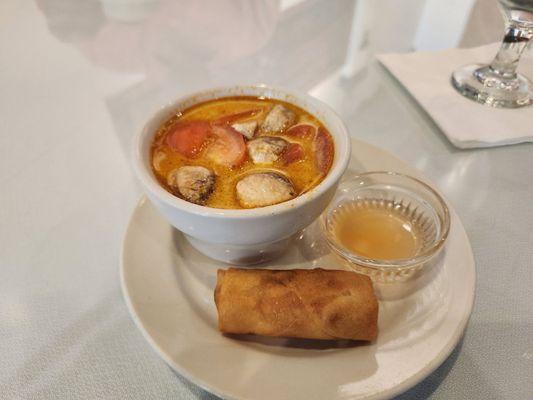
[(514, 43)]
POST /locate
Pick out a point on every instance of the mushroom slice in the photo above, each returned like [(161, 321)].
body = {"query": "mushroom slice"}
[(247, 129), (264, 189), (193, 183), (266, 149), (278, 119)]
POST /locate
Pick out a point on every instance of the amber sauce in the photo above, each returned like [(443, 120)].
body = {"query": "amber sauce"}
[(373, 230), (303, 174)]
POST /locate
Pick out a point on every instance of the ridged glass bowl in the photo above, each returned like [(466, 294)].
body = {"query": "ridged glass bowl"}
[(416, 202)]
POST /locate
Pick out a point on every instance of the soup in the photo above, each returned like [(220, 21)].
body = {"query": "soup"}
[(241, 152)]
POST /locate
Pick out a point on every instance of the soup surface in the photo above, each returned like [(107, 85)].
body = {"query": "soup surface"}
[(241, 152)]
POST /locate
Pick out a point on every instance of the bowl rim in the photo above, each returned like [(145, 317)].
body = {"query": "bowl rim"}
[(342, 154), (399, 263)]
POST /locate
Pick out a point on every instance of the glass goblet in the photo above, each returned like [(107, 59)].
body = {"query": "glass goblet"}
[(498, 84)]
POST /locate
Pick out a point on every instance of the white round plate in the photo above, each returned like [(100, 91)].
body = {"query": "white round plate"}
[(168, 287)]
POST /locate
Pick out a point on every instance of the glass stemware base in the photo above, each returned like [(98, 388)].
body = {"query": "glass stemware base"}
[(480, 83)]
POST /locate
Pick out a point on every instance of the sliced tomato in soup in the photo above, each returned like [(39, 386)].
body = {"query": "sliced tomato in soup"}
[(228, 147), (294, 152), (188, 138), (301, 131), (323, 150)]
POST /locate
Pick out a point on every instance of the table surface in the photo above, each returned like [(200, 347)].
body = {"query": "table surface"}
[(78, 78)]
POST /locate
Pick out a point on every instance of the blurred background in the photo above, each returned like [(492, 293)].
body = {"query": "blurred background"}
[(163, 48)]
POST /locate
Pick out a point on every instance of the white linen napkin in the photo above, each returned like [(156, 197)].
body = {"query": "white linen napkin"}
[(467, 124)]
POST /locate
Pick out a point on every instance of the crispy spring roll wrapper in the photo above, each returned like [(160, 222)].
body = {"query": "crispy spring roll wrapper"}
[(312, 304)]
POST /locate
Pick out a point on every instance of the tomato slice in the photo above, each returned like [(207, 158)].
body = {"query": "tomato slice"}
[(303, 131), (228, 147), (188, 138), (229, 119), (323, 149), (294, 152)]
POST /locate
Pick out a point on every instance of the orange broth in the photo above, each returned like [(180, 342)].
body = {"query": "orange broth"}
[(304, 174)]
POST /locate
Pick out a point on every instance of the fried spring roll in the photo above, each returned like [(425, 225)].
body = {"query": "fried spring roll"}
[(313, 304)]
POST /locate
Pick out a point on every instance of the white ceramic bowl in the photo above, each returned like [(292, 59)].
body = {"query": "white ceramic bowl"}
[(251, 235)]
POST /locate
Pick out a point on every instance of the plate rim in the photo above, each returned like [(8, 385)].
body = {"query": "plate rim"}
[(383, 395)]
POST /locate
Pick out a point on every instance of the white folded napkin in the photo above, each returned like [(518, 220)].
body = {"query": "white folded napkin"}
[(467, 124)]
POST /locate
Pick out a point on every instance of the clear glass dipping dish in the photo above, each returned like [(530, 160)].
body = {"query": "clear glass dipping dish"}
[(411, 205)]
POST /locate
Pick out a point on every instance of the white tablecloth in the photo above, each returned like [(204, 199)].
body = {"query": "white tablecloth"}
[(78, 78)]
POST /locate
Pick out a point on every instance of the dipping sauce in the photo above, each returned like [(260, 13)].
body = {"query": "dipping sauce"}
[(376, 229)]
